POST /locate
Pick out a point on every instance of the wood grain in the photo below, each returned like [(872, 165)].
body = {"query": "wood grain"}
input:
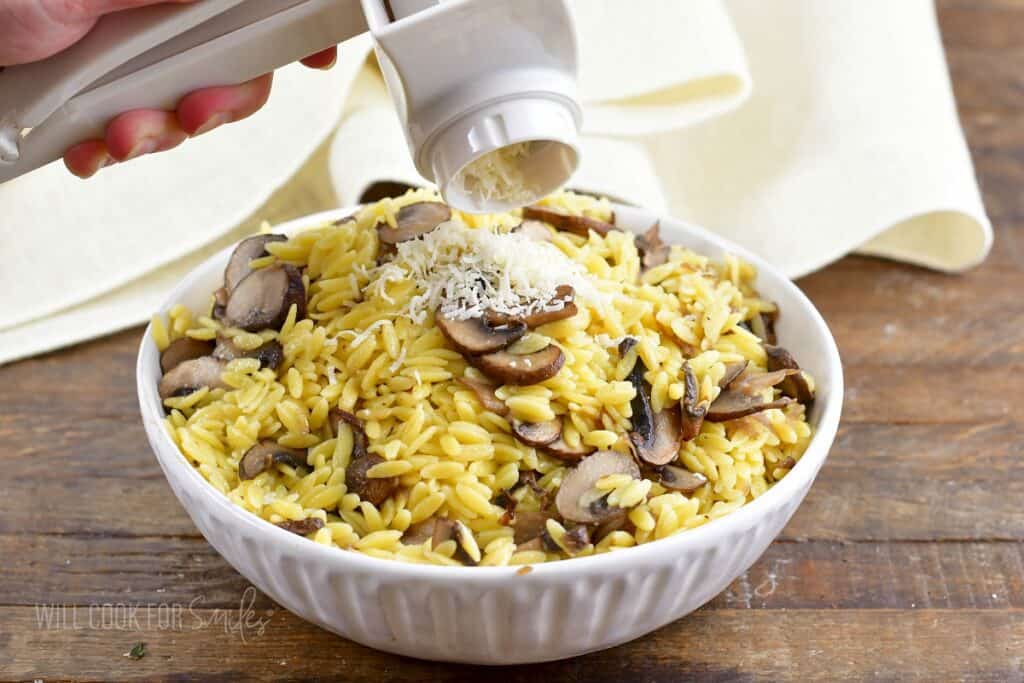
[(905, 562), (724, 645)]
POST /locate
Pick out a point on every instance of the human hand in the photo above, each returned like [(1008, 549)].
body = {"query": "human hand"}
[(31, 30)]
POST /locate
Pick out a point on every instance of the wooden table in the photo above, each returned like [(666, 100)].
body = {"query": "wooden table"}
[(905, 562)]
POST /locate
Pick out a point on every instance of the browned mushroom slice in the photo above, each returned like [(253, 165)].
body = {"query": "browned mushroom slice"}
[(615, 523), (248, 249), (577, 225), (763, 325), (270, 355), (419, 533), (181, 350), (693, 410), (527, 368), (528, 525), (796, 385), (485, 394), (534, 231), (655, 437), (538, 434), (563, 294), (192, 375), (359, 441), (373, 489), (563, 451), (732, 371), (576, 539), (653, 251), (578, 500), (662, 444), (265, 455), (220, 303), (262, 300), (474, 336), (446, 530), (302, 527), (678, 479), (626, 345), (732, 404), (414, 220)]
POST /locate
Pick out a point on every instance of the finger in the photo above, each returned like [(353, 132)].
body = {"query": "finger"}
[(202, 111), (31, 30), (324, 59), (143, 131), (86, 158)]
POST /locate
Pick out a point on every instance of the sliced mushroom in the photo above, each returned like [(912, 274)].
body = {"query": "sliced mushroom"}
[(538, 434), (796, 385), (181, 350), (653, 251), (662, 444), (418, 533), (192, 375), (732, 371), (655, 437), (563, 293), (626, 345), (527, 368), (678, 479), (262, 300), (220, 303), (359, 441), (413, 221), (578, 500), (270, 355), (373, 489), (446, 530), (614, 523), (528, 525), (265, 455), (763, 325), (577, 225), (693, 411), (563, 451), (302, 527), (576, 539), (535, 231), (753, 384), (247, 250), (732, 405), (474, 336), (485, 394)]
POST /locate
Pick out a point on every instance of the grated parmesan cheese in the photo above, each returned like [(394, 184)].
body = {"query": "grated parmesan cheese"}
[(464, 272), (499, 174)]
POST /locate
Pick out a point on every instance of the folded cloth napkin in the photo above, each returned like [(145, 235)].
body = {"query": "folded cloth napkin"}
[(803, 129)]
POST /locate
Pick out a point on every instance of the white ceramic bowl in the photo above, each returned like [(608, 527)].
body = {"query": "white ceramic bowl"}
[(494, 615)]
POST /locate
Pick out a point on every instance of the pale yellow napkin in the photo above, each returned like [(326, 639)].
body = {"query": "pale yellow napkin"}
[(803, 129)]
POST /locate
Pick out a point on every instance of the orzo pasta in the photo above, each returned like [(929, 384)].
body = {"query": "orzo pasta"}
[(419, 384)]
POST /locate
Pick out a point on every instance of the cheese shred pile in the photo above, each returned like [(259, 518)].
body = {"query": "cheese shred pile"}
[(464, 272)]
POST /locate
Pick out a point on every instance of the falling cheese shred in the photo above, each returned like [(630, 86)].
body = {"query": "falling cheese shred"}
[(465, 272)]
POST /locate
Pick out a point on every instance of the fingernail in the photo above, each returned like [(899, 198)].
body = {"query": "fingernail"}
[(143, 146), (107, 160), (214, 121)]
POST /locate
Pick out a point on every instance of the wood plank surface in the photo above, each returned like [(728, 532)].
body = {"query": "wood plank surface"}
[(905, 562)]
